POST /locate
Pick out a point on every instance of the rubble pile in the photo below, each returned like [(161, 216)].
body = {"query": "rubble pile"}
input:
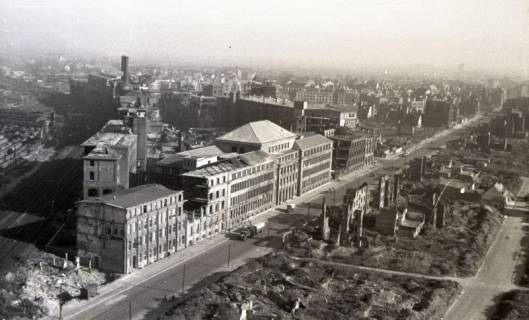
[(512, 306), (35, 289), (278, 287)]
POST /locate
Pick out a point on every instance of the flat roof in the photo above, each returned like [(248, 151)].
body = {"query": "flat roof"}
[(244, 160), (134, 196), (110, 139), (209, 151)]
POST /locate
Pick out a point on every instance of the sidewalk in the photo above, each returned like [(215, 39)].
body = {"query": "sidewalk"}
[(138, 277)]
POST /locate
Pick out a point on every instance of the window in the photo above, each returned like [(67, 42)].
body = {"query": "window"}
[(92, 175), (92, 163), (92, 192), (144, 209)]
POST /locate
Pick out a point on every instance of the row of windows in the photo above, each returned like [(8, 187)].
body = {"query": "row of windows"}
[(160, 203), (287, 179), (279, 147), (251, 182), (217, 194), (324, 166), (321, 148), (350, 144), (288, 157), (288, 169), (316, 160), (253, 170), (217, 207), (246, 208), (212, 181), (315, 181), (251, 194), (203, 226), (148, 222)]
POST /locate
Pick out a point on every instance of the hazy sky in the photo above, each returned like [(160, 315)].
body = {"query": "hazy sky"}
[(327, 33)]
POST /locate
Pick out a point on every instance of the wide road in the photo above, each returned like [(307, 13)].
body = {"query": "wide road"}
[(496, 276), (140, 295)]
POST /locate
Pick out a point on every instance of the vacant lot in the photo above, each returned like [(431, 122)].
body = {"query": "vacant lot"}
[(273, 284), (454, 250)]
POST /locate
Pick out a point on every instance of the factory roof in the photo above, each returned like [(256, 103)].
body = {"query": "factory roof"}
[(312, 141), (258, 132), (102, 153), (134, 196), (209, 151), (110, 139), (244, 160)]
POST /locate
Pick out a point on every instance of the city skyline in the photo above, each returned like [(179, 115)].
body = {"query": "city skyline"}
[(339, 35)]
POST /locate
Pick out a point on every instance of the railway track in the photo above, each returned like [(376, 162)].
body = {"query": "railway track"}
[(38, 231)]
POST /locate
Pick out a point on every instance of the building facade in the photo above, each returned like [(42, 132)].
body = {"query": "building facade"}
[(132, 228), (108, 159), (287, 175), (315, 162)]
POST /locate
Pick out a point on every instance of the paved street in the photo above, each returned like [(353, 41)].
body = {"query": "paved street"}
[(144, 290), (481, 293)]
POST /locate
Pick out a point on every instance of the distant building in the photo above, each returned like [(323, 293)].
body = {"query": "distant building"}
[(439, 113), (132, 228), (320, 118)]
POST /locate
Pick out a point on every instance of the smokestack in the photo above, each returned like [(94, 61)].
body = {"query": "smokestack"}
[(125, 69)]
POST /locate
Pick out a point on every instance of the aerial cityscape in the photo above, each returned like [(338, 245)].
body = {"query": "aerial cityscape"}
[(281, 160)]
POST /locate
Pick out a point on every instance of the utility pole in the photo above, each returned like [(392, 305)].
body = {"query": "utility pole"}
[(229, 254), (184, 279), (60, 301)]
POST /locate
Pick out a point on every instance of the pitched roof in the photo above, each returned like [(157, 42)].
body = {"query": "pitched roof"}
[(134, 196), (258, 132), (311, 141)]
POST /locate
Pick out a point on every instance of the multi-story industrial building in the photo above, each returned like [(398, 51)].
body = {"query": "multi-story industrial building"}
[(315, 162), (351, 153), (321, 118), (132, 228), (167, 171), (108, 159), (225, 194), (326, 96), (314, 96), (207, 193)]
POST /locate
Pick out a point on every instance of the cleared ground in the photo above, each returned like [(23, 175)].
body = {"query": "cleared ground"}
[(273, 283)]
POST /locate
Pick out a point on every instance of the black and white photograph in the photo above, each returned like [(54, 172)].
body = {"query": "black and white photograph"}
[(264, 160)]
